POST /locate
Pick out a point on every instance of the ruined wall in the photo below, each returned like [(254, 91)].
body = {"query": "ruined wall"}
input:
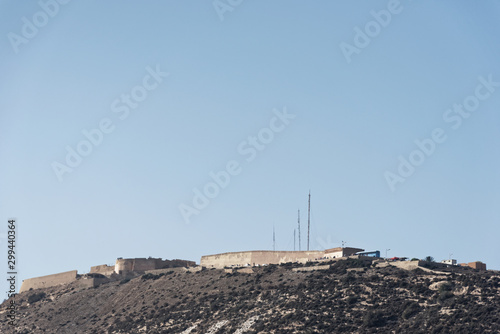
[(177, 263), (142, 265), (103, 269), (48, 281), (91, 282), (175, 270)]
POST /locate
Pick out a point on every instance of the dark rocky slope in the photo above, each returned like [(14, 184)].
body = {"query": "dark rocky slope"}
[(350, 297)]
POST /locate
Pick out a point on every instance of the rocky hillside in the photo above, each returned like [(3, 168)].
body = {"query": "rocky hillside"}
[(349, 296)]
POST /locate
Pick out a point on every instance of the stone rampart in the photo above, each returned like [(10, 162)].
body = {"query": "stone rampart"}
[(268, 257), (256, 258), (175, 270), (124, 266), (91, 282), (226, 259), (103, 269), (142, 265), (48, 281)]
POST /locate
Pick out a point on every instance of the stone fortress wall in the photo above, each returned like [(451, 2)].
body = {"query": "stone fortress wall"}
[(256, 258), (48, 281), (102, 273), (141, 265), (130, 267), (103, 269)]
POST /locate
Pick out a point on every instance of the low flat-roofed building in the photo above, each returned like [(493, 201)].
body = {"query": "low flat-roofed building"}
[(477, 265), (337, 252)]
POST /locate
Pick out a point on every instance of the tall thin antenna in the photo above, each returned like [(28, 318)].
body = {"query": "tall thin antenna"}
[(298, 222), (274, 240), (308, 219)]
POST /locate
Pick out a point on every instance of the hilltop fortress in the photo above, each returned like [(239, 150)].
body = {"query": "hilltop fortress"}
[(128, 268), (124, 268), (103, 273), (259, 258)]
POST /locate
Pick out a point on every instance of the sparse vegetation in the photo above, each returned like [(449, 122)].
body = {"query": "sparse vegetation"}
[(36, 297), (351, 296)]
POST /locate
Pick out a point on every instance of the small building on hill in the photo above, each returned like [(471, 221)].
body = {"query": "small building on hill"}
[(450, 262), (475, 265), (337, 252)]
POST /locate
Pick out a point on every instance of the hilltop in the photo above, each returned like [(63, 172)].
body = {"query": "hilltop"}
[(346, 296)]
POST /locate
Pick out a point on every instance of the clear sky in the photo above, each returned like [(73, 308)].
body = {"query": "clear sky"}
[(272, 99)]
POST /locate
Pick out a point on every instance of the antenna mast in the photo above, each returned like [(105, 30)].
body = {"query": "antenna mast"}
[(308, 219), (274, 240), (298, 223)]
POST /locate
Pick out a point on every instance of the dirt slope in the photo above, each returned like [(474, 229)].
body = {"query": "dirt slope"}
[(350, 297)]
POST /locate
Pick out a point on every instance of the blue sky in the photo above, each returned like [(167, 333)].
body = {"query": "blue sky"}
[(351, 118)]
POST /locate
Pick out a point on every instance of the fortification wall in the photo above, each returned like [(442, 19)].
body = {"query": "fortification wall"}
[(103, 269), (175, 270), (141, 265), (226, 259), (255, 258), (272, 257), (89, 282), (123, 266), (48, 281), (177, 263)]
